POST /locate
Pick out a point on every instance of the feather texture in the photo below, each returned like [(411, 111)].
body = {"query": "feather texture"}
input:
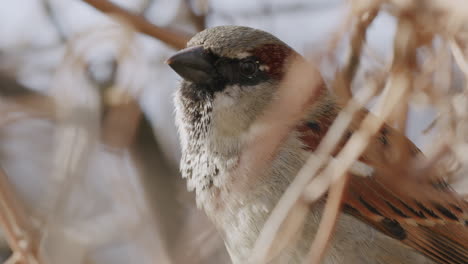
[(422, 212)]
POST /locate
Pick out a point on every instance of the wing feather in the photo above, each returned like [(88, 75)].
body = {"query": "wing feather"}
[(421, 212)]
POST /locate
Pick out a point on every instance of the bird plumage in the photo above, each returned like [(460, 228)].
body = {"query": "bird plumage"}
[(231, 74)]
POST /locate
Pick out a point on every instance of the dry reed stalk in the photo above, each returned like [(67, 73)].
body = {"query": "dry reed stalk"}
[(19, 103), (404, 67), (267, 236), (342, 85), (292, 101), (344, 78), (398, 84), (19, 231), (459, 57), (399, 87), (317, 160)]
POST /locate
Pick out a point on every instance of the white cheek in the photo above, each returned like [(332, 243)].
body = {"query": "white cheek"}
[(227, 98), (223, 101)]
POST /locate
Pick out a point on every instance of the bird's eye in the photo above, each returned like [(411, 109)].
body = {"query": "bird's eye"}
[(248, 68)]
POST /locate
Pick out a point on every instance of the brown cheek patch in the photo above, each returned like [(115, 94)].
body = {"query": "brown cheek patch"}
[(274, 56)]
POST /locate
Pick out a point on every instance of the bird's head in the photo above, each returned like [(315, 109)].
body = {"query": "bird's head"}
[(229, 73)]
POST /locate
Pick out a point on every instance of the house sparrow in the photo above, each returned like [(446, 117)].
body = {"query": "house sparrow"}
[(230, 75)]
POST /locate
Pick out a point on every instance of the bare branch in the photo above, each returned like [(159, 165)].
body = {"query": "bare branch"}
[(171, 38)]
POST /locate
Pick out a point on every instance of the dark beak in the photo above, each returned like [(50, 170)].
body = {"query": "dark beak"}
[(193, 64)]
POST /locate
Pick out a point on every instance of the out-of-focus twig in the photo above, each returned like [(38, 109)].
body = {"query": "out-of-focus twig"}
[(171, 38), (343, 80), (20, 233), (120, 123), (342, 86), (18, 98), (301, 86), (17, 226), (49, 9), (293, 99), (459, 57), (308, 171), (329, 220), (198, 20), (398, 84)]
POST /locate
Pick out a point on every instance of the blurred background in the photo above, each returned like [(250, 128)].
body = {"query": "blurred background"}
[(96, 196)]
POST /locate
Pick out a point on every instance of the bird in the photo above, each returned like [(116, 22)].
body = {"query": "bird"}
[(230, 74)]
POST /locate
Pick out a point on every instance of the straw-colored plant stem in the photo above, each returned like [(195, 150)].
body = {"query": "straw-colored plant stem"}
[(17, 226)]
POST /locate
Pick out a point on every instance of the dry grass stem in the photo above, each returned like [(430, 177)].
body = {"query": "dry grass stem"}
[(342, 85), (292, 101), (267, 236), (398, 84), (318, 186), (17, 226), (459, 57), (328, 221), (344, 78), (317, 160)]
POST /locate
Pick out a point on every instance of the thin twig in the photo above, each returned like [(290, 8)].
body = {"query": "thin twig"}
[(317, 160), (344, 79), (49, 9), (20, 234), (459, 57), (293, 98), (14, 221), (171, 38), (264, 242), (398, 84), (329, 220), (17, 97)]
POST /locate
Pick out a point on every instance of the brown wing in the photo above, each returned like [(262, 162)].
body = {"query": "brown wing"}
[(421, 212), (429, 219)]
